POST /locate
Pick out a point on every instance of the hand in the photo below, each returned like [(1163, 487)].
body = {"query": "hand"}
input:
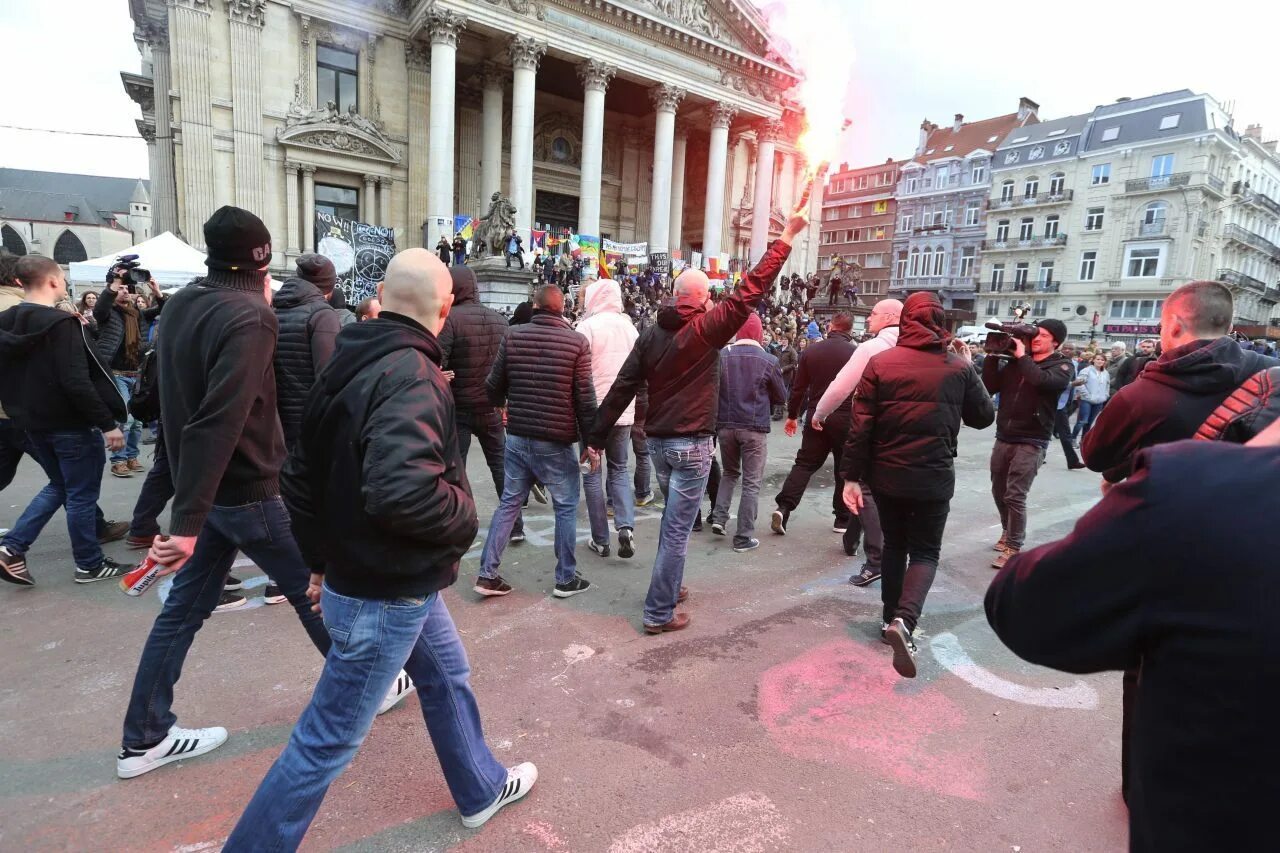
[(592, 456), (115, 439), (155, 288), (448, 375), (790, 426), (1019, 348), (172, 552), (961, 349), (313, 591), (853, 498), (816, 424)]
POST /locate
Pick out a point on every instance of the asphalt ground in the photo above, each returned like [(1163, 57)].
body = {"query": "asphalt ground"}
[(774, 722)]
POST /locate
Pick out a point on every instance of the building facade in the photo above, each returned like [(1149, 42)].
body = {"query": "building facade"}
[(942, 207), (631, 121), (858, 215), (71, 217)]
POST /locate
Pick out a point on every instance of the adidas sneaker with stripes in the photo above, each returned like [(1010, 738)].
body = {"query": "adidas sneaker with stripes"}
[(178, 745)]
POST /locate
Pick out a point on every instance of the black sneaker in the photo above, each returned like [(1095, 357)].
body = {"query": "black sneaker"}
[(717, 528), (779, 521), (749, 545), (233, 583), (865, 577), (229, 601), (840, 526), (113, 531), (517, 536), (626, 543), (573, 587), (492, 586), (108, 569), (602, 550), (13, 568), (904, 649), (272, 595), (697, 523)]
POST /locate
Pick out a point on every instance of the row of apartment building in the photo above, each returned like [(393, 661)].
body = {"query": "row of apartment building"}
[(1092, 218)]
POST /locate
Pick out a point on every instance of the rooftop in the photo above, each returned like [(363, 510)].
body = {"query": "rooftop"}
[(103, 193)]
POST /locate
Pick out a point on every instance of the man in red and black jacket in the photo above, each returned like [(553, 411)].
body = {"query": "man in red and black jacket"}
[(678, 360)]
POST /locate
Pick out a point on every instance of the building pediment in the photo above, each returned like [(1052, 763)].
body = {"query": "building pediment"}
[(339, 139)]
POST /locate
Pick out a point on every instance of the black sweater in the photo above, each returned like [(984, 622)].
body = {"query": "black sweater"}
[(1029, 392), (1127, 588), (543, 375), (819, 364), (218, 398)]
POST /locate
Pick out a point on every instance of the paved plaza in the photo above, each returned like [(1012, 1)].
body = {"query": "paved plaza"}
[(775, 722)]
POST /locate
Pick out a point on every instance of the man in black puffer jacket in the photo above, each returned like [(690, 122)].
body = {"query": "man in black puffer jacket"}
[(543, 375), (907, 413), (469, 345), (308, 328)]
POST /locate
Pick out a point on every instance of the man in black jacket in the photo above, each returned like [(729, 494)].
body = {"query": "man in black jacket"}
[(543, 376), (907, 413), (120, 343), (308, 328), (53, 387), (1127, 588), (678, 361), (469, 343), (819, 364), (384, 512), (1029, 385)]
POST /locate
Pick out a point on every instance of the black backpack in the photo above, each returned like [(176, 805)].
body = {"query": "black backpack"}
[(144, 404)]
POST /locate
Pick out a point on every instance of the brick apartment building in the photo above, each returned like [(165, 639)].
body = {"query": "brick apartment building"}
[(858, 215)]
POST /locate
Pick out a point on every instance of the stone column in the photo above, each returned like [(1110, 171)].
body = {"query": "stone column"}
[(445, 26), (164, 192), (308, 214), (416, 57), (385, 186), (525, 53), (595, 77), (722, 116), (675, 227), (247, 18), (666, 100), (307, 61), (189, 23), (291, 245), (494, 77), (786, 199), (369, 200), (767, 135)]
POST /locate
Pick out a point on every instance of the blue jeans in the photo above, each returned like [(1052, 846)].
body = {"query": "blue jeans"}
[(372, 641), (620, 489), (744, 453), (555, 466), (683, 464), (1084, 420), (262, 531), (72, 460), (132, 427)]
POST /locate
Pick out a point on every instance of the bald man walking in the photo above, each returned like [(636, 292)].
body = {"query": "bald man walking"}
[(679, 361), (380, 500)]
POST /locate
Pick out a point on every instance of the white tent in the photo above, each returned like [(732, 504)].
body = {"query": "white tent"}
[(172, 263)]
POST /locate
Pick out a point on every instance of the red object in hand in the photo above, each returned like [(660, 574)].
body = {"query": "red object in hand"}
[(142, 578)]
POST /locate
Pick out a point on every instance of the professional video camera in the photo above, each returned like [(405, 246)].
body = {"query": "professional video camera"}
[(1000, 339), (131, 269)]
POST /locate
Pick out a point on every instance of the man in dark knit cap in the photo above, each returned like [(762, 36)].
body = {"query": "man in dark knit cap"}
[(218, 404), (308, 327)]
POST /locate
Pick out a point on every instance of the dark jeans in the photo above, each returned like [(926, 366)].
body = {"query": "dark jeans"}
[(555, 465), (73, 462), (157, 491), (518, 256), (912, 541), (869, 522), (815, 446), (488, 430), (13, 443), (1062, 429), (644, 467), (1013, 470), (262, 531)]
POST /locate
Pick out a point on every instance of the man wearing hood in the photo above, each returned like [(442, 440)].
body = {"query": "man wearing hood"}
[(54, 389), (382, 507), (469, 342), (308, 328), (678, 362), (12, 440), (611, 336), (903, 442)]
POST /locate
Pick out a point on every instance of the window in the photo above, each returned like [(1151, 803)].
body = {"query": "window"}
[(913, 184), (1143, 262), (1040, 307), (979, 174), (939, 260), (1031, 187), (1093, 219), (1110, 134), (1101, 174), (848, 236), (873, 261), (1002, 231), (915, 263), (907, 219), (997, 278), (1006, 191), (1046, 273), (338, 201), (1162, 165), (879, 232), (1135, 309), (336, 77), (12, 241), (993, 307), (1088, 265), (855, 236), (967, 257), (971, 210), (881, 207), (1057, 184), (69, 249), (943, 177), (1153, 217), (1026, 228), (1170, 122), (1020, 274), (857, 211), (1051, 223), (900, 268)]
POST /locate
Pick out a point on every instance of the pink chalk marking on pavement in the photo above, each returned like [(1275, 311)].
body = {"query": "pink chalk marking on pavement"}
[(744, 823), (843, 702)]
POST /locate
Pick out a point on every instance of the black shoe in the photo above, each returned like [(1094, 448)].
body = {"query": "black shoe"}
[(841, 525), (272, 595), (489, 587), (778, 523), (904, 649), (229, 601), (1076, 466), (602, 550), (717, 528), (13, 568), (867, 576), (626, 543), (108, 569), (697, 523), (113, 531), (573, 587), (517, 536), (232, 583), (749, 545)]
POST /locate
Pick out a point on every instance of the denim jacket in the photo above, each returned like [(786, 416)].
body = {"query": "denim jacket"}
[(750, 384)]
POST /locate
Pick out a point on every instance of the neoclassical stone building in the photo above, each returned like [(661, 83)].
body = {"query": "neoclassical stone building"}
[(666, 121)]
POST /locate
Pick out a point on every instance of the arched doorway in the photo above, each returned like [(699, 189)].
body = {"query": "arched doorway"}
[(12, 241), (69, 249)]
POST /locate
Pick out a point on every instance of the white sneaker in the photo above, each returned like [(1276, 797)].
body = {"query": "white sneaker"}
[(402, 687), (179, 745), (520, 780)]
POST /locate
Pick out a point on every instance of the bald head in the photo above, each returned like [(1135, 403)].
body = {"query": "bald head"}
[(692, 287), (418, 285), (887, 312)]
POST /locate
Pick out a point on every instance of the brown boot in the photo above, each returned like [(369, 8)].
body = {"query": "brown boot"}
[(1003, 557), (678, 622), (135, 465), (121, 469)]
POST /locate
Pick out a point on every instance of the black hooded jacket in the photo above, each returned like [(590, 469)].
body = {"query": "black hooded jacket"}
[(308, 329), (375, 487), (469, 342), (50, 378), (1029, 392), (543, 375), (1168, 401)]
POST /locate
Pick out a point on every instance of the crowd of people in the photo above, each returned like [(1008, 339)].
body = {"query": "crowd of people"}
[(333, 454)]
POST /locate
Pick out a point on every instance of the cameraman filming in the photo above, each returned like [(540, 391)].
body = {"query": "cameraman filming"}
[(121, 344), (1029, 380)]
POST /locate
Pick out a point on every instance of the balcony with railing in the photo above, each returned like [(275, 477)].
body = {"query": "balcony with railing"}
[(1160, 183), (934, 228), (1271, 294), (1239, 279), (933, 282), (1246, 237), (1055, 241), (1252, 196), (1037, 200), (1152, 229), (1029, 286)]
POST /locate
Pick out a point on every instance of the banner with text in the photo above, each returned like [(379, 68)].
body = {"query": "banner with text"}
[(360, 253)]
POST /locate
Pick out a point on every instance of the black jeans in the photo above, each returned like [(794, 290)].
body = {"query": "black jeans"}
[(912, 541), (157, 491), (487, 427), (644, 467), (1062, 429), (815, 446)]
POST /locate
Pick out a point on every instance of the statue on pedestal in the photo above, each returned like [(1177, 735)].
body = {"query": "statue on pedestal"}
[(494, 227)]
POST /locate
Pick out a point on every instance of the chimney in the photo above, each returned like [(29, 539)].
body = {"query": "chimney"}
[(1027, 109), (1254, 131), (955, 128), (926, 127)]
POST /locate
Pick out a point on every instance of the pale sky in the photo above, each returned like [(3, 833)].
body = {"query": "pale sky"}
[(928, 59)]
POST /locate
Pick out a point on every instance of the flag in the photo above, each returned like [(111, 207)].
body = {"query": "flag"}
[(464, 227), (603, 266), (538, 239)]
